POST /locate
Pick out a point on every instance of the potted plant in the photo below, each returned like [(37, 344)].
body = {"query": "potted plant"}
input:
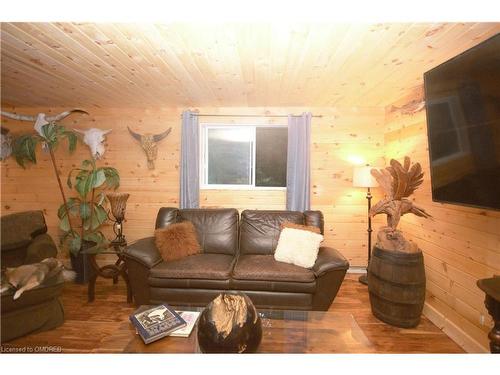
[(49, 136), (87, 208)]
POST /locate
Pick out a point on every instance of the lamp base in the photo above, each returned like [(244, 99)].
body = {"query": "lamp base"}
[(363, 279)]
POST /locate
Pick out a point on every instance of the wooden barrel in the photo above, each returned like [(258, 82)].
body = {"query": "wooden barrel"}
[(396, 282)]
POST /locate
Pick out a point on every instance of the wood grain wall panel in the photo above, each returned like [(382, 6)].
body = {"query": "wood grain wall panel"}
[(460, 244), (226, 64), (339, 137)]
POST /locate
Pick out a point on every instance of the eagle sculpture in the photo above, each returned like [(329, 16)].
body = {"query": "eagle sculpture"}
[(398, 182)]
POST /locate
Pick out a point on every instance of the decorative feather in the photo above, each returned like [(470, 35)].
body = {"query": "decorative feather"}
[(415, 179), (407, 163), (379, 207), (419, 212), (399, 177), (384, 179)]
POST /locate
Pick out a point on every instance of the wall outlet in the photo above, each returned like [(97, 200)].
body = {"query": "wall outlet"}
[(481, 319)]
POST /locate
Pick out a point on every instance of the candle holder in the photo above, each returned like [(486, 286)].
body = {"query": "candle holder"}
[(118, 202)]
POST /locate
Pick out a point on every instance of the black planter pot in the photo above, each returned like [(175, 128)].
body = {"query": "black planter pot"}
[(81, 264)]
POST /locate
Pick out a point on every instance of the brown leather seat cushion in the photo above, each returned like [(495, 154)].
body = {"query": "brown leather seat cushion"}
[(200, 266), (264, 267), (50, 289)]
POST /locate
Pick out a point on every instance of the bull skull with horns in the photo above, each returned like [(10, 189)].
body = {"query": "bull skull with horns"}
[(42, 119), (149, 144), (94, 138)]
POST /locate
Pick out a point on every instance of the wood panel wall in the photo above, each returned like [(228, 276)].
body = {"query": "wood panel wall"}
[(341, 138), (460, 246)]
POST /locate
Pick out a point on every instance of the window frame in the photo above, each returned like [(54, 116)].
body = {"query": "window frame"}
[(204, 185)]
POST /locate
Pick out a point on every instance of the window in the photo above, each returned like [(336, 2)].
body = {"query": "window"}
[(243, 156)]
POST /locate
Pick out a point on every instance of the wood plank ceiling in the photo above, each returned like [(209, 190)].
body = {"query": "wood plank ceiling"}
[(186, 65)]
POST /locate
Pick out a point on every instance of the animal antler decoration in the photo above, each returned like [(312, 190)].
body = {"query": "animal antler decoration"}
[(42, 119), (398, 182), (149, 144)]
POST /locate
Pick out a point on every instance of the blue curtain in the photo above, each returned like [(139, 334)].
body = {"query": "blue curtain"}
[(298, 176), (190, 161)]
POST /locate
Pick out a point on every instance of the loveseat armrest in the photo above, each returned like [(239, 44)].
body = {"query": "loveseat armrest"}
[(144, 251), (328, 260)]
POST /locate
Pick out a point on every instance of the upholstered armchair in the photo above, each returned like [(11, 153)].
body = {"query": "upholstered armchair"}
[(24, 240)]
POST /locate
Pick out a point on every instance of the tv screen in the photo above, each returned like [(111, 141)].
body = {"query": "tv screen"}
[(462, 99)]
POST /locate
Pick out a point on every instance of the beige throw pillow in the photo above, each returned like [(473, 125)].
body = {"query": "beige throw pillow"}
[(299, 247)]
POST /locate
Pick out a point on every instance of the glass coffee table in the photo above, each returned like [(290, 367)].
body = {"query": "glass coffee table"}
[(283, 331)]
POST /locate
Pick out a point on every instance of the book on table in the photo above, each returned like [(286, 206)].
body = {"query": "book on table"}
[(156, 322), (190, 317)]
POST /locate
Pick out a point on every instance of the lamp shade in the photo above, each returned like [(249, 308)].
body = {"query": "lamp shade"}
[(362, 177), (118, 202)]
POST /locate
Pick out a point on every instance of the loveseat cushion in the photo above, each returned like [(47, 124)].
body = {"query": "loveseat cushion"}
[(217, 229), (156, 282), (200, 266), (265, 267), (274, 286), (260, 229)]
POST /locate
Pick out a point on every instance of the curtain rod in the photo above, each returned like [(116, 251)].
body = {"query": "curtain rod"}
[(244, 115)]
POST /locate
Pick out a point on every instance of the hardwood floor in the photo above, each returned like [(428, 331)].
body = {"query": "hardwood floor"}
[(88, 325)]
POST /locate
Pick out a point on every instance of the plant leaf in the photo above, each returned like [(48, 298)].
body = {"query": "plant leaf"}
[(99, 217), (73, 207), (100, 199), (70, 176), (72, 140), (75, 244), (87, 163), (24, 149), (64, 224), (84, 182), (100, 178), (112, 177), (84, 210)]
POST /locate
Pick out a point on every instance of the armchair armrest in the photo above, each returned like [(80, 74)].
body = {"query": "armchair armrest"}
[(144, 251), (328, 260)]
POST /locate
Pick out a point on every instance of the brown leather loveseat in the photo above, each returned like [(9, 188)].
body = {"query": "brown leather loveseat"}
[(237, 255)]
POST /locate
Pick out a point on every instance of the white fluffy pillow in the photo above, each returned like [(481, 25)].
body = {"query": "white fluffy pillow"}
[(299, 247)]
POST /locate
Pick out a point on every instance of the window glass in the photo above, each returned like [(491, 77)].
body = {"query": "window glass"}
[(270, 156), (230, 156)]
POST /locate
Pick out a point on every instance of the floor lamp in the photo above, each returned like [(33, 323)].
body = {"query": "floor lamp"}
[(362, 178)]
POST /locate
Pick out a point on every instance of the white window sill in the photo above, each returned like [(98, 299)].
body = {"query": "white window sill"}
[(241, 187)]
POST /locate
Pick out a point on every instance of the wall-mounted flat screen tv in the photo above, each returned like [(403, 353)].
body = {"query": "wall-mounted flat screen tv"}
[(462, 99)]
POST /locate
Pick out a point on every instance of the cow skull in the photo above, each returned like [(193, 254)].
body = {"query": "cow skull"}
[(41, 119), (94, 138), (149, 144)]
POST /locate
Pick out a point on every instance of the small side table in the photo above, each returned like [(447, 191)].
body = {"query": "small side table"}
[(492, 302), (109, 271)]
